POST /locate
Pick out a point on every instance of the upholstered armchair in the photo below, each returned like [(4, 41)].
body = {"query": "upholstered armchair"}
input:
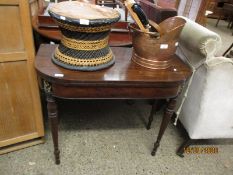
[(205, 108)]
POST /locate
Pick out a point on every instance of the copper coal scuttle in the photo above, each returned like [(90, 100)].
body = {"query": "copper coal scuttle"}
[(155, 49), (153, 44)]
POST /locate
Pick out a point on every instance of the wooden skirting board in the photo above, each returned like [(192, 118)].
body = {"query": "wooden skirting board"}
[(21, 145)]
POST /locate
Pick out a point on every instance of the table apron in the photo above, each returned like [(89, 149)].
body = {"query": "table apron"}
[(117, 92)]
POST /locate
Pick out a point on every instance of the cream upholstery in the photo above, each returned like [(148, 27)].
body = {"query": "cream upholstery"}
[(206, 106)]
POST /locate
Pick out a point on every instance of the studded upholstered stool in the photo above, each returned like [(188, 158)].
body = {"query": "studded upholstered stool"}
[(85, 29)]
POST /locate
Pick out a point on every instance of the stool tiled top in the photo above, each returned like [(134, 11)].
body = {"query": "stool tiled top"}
[(125, 79)]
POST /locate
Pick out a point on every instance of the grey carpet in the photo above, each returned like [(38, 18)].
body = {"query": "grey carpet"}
[(109, 138), (223, 31)]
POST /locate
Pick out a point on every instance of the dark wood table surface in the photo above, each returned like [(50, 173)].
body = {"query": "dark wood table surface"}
[(124, 80)]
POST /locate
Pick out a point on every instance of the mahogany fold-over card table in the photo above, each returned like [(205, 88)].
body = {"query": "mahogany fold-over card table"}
[(124, 80)]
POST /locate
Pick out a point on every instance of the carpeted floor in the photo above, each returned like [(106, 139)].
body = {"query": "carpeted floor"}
[(223, 31), (109, 138)]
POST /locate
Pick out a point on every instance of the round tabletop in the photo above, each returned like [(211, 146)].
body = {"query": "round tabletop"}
[(118, 37)]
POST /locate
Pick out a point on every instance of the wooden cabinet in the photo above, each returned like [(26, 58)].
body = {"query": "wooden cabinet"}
[(20, 108), (201, 16)]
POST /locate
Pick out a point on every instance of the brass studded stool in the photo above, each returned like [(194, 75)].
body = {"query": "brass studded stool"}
[(85, 29)]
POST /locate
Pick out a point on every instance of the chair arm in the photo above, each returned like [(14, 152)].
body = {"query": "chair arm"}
[(197, 43), (216, 61)]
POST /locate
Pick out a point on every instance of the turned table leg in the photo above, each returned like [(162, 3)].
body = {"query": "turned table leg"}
[(152, 113), (166, 118), (52, 114)]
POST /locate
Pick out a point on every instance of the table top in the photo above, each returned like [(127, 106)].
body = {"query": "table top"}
[(123, 72)]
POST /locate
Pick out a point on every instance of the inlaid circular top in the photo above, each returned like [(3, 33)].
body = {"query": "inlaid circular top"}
[(80, 10)]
